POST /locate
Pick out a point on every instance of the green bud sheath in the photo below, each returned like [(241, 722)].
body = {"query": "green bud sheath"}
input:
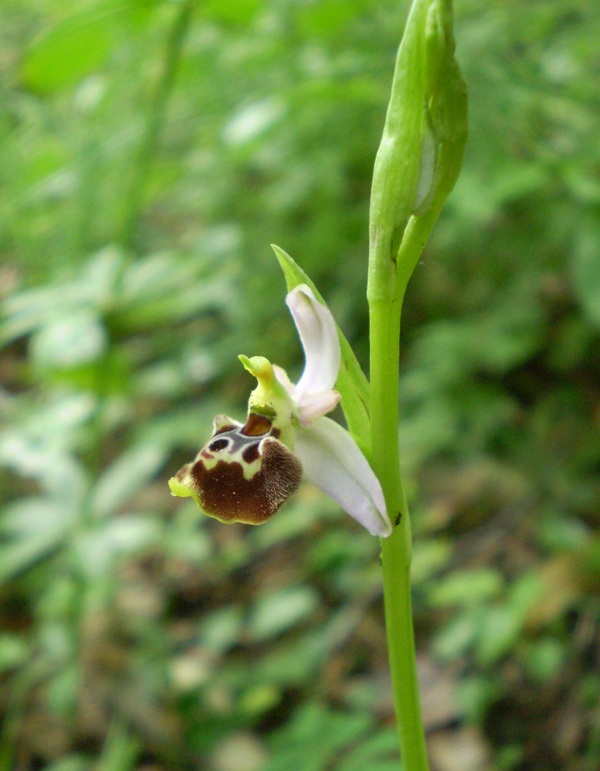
[(398, 160), (421, 148)]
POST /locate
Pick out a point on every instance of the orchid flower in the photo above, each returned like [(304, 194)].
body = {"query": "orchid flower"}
[(246, 471)]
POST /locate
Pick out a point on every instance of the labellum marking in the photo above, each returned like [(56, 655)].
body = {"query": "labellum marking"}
[(243, 473)]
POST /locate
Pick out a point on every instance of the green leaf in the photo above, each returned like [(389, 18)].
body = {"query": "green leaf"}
[(377, 752), (125, 477), (68, 341), (467, 587), (325, 732), (97, 548), (352, 382), (31, 529), (275, 612), (501, 626), (63, 689), (429, 557), (121, 750), (69, 51), (586, 272), (70, 763), (544, 659), (13, 651), (499, 632), (221, 629), (458, 635), (235, 14)]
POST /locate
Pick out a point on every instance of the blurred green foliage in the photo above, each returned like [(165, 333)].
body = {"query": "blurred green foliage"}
[(150, 152)]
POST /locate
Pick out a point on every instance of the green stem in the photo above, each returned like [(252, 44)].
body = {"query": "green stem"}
[(396, 550), (154, 124), (385, 315)]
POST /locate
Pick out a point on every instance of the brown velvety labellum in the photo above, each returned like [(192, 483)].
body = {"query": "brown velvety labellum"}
[(225, 494), (243, 473)]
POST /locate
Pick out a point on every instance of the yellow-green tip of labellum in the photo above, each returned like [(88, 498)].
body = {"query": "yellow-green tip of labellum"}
[(181, 490)]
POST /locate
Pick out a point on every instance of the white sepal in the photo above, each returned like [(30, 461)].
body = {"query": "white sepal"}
[(334, 463)]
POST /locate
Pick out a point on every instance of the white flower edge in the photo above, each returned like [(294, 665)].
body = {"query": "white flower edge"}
[(334, 463)]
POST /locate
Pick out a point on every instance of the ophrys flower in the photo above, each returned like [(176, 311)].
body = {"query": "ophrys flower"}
[(246, 471)]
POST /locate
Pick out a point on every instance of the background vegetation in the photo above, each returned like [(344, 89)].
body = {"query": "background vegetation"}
[(150, 152)]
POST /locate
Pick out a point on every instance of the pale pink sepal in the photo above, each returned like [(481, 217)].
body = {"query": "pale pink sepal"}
[(320, 341), (313, 406)]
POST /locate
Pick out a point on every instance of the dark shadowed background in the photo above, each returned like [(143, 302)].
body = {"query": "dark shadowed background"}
[(150, 152)]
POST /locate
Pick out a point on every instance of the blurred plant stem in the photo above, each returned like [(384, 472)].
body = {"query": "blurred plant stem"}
[(134, 191), (416, 167), (132, 202)]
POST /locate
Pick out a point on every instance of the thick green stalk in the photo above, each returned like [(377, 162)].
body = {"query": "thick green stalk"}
[(416, 167), (385, 318), (395, 182), (385, 335)]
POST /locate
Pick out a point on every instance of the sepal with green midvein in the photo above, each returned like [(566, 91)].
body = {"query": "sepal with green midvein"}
[(351, 382)]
